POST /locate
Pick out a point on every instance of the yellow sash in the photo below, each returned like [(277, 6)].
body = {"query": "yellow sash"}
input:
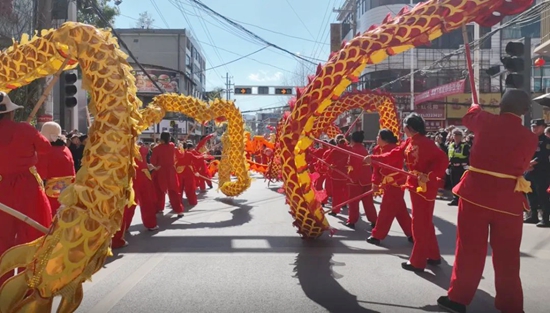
[(522, 185), (147, 173), (54, 186), (34, 173)]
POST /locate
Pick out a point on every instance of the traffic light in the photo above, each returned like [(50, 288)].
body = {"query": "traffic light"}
[(514, 63), (243, 91), (283, 91), (70, 90)]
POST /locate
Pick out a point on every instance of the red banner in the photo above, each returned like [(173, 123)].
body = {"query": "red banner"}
[(441, 92)]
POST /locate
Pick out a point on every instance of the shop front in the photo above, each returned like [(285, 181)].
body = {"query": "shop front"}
[(458, 105)]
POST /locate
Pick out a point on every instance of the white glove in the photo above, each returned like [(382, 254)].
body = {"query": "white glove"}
[(466, 167), (448, 171)]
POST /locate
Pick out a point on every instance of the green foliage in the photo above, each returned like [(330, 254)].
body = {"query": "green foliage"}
[(216, 93), (87, 15), (27, 96)]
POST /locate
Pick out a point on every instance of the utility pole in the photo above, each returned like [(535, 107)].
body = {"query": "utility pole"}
[(412, 71), (44, 21), (228, 86), (527, 74)]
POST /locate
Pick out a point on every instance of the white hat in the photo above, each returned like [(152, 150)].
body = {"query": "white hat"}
[(6, 105), (52, 131)]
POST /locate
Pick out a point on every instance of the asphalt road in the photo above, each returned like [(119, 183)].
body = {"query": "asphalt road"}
[(243, 255)]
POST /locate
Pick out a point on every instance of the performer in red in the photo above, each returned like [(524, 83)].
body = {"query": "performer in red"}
[(325, 169), (144, 192), (21, 187), (361, 176), (492, 199), (339, 166), (163, 160), (56, 168), (429, 163), (393, 204), (200, 167), (187, 165)]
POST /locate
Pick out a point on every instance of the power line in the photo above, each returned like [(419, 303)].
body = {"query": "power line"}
[(233, 61), (242, 28)]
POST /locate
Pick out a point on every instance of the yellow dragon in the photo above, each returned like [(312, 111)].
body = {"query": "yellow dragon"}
[(78, 242)]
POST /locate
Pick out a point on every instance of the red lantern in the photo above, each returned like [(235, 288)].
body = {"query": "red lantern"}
[(540, 62)]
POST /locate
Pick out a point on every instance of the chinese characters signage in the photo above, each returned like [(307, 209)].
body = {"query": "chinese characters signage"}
[(430, 111), (433, 126), (459, 104), (167, 80), (440, 92)]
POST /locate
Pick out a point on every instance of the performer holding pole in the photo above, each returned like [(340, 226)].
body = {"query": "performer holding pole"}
[(496, 169), (429, 163)]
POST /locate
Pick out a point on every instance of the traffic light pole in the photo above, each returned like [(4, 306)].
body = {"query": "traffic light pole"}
[(527, 74)]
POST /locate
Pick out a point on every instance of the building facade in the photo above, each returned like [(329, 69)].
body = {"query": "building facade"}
[(386, 75), (175, 61)]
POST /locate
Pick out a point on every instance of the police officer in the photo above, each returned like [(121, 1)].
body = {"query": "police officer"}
[(459, 154), (539, 176)]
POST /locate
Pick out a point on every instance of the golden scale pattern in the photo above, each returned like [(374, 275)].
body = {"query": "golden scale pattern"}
[(407, 29), (79, 240)]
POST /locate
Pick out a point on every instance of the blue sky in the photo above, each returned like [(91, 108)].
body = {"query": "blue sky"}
[(301, 27)]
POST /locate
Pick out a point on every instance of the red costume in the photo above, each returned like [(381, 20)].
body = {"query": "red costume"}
[(339, 162), (187, 164), (361, 182), (325, 169), (202, 169), (422, 156), (166, 177), (492, 198), (393, 202), (56, 168), (21, 187), (319, 167), (144, 191)]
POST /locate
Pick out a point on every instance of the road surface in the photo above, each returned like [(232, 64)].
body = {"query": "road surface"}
[(243, 255)]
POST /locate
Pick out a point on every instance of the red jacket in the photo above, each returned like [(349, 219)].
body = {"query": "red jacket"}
[(378, 173), (164, 156), (339, 162), (187, 163), (421, 156), (360, 173), (20, 145), (57, 169), (491, 153)]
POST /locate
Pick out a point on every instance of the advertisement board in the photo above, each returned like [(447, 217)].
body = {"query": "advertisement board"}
[(167, 80), (461, 103)]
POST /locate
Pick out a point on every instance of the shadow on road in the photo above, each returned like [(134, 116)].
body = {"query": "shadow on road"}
[(313, 268)]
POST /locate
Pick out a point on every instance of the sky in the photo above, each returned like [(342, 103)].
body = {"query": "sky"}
[(301, 27)]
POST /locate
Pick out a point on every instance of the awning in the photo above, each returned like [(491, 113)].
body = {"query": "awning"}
[(543, 49), (543, 100)]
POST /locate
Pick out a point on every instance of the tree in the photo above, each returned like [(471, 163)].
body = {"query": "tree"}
[(87, 13), (216, 93), (145, 20)]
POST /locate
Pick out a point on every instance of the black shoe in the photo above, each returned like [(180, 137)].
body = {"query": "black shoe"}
[(451, 306), (434, 262), (373, 225), (350, 225), (409, 267), (453, 203), (543, 224), (373, 241), (333, 214), (410, 239), (180, 215), (531, 220)]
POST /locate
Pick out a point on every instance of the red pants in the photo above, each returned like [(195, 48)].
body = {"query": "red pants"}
[(339, 193), (328, 186), (423, 230), (320, 181), (368, 204), (392, 206), (189, 187), (474, 226), (174, 196), (118, 239), (21, 192)]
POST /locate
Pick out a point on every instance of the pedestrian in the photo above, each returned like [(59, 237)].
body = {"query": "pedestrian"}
[(491, 204), (393, 202), (538, 174), (458, 152), (428, 162), (21, 188), (56, 168), (361, 182)]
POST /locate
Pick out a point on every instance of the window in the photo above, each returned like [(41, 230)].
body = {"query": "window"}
[(188, 60), (452, 40), (513, 32), (189, 46)]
